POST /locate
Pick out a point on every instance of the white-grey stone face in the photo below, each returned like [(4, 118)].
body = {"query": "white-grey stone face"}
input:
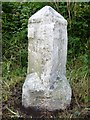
[(46, 85)]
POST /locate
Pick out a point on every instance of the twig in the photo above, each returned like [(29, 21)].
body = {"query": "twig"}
[(13, 112)]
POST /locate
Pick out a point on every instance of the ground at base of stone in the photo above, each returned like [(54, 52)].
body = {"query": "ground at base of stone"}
[(13, 109)]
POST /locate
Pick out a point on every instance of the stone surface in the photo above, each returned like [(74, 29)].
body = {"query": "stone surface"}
[(46, 85)]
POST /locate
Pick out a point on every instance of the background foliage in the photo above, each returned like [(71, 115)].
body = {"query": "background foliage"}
[(15, 17)]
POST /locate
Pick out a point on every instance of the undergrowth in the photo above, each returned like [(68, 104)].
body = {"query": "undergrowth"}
[(77, 74)]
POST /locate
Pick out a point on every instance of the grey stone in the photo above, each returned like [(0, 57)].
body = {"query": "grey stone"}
[(46, 85)]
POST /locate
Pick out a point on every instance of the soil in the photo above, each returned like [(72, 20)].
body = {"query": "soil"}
[(14, 104)]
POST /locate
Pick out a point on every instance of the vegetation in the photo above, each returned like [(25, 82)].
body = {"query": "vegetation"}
[(15, 17)]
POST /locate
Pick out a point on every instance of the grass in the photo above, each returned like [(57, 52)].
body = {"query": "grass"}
[(77, 74)]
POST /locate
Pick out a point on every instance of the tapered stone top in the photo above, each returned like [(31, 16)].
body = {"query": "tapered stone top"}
[(49, 14), (46, 85)]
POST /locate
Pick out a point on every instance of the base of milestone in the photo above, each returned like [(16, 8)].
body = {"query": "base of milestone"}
[(52, 97)]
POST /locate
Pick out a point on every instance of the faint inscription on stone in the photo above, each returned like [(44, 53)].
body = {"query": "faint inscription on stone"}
[(46, 85)]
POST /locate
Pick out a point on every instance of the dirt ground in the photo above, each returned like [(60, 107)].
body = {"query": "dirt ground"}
[(13, 109)]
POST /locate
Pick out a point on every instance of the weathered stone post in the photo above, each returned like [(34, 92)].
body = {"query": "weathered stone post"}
[(46, 85)]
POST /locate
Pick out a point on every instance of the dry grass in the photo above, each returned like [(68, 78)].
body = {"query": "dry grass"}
[(80, 108)]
